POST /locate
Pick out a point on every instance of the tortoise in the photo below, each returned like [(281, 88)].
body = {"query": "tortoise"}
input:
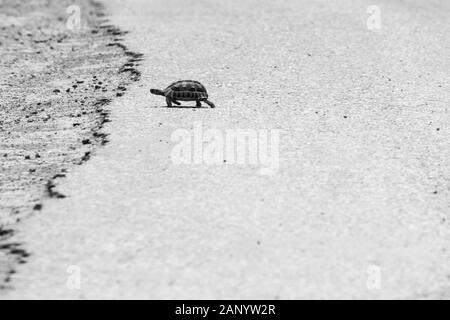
[(184, 90)]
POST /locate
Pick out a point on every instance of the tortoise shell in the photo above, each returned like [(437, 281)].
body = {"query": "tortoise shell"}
[(186, 90)]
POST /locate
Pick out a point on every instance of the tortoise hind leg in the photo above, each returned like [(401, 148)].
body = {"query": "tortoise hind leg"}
[(169, 102), (209, 103)]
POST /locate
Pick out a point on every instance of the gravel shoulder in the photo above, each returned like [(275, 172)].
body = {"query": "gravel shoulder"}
[(57, 79)]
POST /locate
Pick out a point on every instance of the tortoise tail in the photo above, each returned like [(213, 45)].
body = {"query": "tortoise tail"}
[(157, 92)]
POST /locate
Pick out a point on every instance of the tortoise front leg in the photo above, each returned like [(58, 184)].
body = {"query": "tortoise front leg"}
[(176, 102), (169, 102), (209, 103), (199, 104)]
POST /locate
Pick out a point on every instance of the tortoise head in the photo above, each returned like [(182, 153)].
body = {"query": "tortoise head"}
[(157, 92)]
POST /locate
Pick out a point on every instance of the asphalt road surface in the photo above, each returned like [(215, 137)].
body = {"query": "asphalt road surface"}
[(359, 206)]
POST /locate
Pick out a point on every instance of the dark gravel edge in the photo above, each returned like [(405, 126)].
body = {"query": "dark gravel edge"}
[(127, 74)]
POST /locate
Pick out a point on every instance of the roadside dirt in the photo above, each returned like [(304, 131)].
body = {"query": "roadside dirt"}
[(57, 78)]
